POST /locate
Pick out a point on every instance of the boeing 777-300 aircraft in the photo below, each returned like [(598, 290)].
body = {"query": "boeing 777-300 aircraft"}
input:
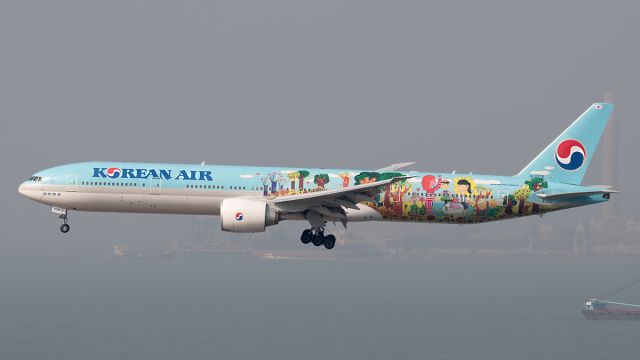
[(248, 198)]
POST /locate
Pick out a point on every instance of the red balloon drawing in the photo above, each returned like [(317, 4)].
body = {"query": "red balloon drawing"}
[(428, 183)]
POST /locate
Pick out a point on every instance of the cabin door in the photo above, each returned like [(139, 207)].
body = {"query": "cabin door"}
[(155, 186), (72, 182)]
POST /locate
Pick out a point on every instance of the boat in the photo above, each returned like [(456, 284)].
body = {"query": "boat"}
[(595, 309)]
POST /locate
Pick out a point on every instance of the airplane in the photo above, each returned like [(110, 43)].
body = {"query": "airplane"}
[(248, 199)]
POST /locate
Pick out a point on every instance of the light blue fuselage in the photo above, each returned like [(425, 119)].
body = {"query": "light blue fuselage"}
[(200, 189)]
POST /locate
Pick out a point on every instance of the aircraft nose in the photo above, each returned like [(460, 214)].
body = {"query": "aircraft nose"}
[(22, 189)]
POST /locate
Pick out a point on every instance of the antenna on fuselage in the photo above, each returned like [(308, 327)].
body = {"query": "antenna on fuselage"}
[(453, 172), (202, 163)]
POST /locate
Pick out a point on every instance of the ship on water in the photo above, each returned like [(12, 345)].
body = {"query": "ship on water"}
[(595, 309)]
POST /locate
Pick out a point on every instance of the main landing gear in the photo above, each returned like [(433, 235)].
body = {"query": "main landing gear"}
[(317, 237), (65, 226)]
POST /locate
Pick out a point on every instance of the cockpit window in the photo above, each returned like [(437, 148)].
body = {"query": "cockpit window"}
[(35, 178)]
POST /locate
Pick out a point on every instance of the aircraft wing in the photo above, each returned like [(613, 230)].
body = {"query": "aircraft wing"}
[(330, 203), (570, 195)]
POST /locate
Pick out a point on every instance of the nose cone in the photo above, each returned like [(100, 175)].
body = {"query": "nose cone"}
[(23, 189)]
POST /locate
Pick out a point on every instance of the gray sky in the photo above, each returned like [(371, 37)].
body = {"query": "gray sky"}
[(471, 86)]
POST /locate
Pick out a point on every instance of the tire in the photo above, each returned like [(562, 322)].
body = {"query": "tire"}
[(318, 240), (65, 228), (306, 236), (329, 242)]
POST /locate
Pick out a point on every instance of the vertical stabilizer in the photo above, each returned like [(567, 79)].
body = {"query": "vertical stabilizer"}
[(567, 158)]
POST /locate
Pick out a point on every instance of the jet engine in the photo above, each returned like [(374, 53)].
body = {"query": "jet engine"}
[(246, 216)]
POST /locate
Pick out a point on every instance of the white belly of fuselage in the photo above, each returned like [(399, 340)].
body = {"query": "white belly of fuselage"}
[(132, 201), (168, 201)]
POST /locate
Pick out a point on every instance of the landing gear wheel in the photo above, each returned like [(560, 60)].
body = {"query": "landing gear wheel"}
[(318, 240), (306, 236), (65, 228), (329, 242)]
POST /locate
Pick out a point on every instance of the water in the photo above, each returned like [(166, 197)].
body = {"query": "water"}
[(214, 307)]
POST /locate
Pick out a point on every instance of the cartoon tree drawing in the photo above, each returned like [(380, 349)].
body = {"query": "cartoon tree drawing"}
[(321, 180), (509, 201), (366, 177), (302, 174), (293, 177), (536, 184), (346, 177), (522, 195)]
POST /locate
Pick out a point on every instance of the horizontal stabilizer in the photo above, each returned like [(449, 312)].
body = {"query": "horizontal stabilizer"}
[(576, 194)]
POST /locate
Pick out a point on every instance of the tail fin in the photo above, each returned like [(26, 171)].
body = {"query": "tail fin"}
[(567, 158)]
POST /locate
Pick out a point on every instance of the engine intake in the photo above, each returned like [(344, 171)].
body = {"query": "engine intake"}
[(246, 216)]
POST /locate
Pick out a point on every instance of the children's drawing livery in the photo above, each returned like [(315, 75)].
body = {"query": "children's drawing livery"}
[(248, 199)]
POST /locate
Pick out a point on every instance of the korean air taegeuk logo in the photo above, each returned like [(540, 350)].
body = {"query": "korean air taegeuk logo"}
[(570, 154)]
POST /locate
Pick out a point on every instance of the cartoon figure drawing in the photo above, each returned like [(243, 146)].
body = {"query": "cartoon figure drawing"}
[(398, 190), (281, 181), (346, 177), (265, 185), (465, 188), (445, 194), (414, 208), (385, 200), (273, 177), (453, 207), (430, 186), (482, 205)]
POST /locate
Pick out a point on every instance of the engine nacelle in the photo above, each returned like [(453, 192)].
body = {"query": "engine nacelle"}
[(246, 216)]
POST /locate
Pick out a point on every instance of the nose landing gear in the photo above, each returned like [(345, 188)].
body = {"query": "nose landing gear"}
[(317, 237)]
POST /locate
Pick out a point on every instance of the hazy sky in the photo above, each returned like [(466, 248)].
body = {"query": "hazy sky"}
[(470, 86)]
